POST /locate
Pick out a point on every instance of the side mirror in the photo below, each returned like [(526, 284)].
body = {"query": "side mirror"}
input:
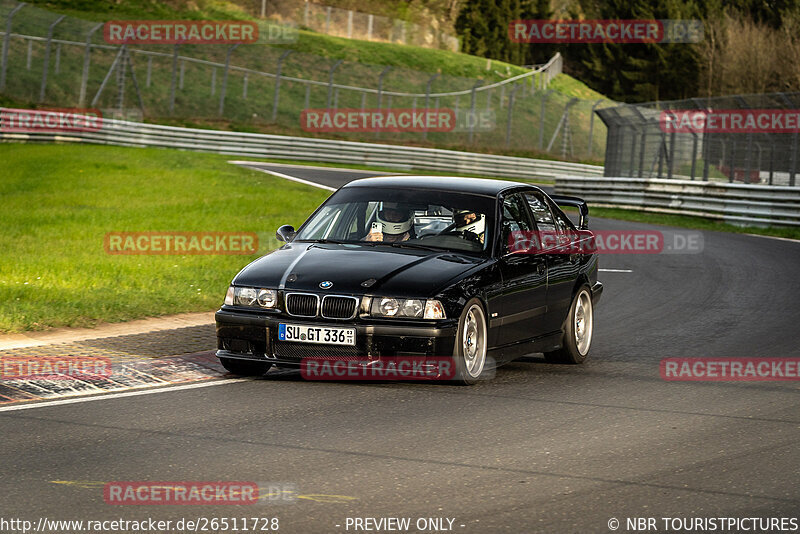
[(285, 233)]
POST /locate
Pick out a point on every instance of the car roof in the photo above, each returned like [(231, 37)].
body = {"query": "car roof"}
[(481, 186)]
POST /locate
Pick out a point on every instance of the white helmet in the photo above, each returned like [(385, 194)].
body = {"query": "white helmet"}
[(464, 223), (395, 218)]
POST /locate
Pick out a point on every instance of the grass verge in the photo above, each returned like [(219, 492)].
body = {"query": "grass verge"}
[(58, 202)]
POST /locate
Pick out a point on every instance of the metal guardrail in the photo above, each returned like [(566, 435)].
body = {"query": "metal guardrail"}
[(135, 134), (739, 204)]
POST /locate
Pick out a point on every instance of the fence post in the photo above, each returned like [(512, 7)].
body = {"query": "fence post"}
[(129, 61), (225, 78), (330, 81), (58, 58), (591, 126), (541, 119), (174, 78), (263, 9), (327, 19), (511, 96), (428, 100), (276, 96), (305, 14), (472, 108), (383, 73), (87, 53), (349, 23), (244, 87), (108, 75), (213, 81), (6, 39), (30, 55), (50, 31), (180, 77), (149, 70), (370, 17)]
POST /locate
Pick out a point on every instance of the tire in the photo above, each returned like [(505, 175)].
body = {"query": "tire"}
[(245, 367), (469, 350), (578, 330)]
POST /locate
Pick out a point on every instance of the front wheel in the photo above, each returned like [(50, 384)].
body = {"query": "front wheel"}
[(245, 367), (577, 332), (469, 352)]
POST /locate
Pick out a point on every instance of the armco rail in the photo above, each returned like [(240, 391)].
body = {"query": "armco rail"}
[(125, 133), (740, 204)]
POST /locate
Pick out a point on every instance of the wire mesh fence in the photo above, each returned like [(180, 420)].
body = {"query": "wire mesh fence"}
[(52, 60), (741, 138)]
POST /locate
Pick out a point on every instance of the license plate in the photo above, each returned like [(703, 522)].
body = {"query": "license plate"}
[(330, 335)]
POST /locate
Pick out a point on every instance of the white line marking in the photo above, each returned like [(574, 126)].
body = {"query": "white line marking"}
[(294, 179), (775, 237), (615, 270), (120, 395), (297, 166)]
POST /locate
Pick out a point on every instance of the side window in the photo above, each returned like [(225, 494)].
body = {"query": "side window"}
[(516, 220), (541, 213)]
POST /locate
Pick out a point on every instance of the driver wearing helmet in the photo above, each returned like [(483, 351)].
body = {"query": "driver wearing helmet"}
[(395, 222), (470, 224)]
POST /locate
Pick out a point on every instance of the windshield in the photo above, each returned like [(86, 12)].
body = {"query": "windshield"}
[(436, 220)]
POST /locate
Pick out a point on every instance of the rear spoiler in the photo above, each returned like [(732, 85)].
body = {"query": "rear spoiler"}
[(575, 202)]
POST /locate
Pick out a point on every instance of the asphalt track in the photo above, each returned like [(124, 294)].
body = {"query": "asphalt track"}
[(541, 448)]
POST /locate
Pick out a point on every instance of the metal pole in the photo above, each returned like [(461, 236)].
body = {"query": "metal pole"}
[(428, 100), (330, 81), (591, 126), (87, 54), (108, 76), (383, 73), (278, 84), (225, 78), (6, 39), (58, 58), (244, 87), (149, 70), (472, 108), (511, 96), (174, 76), (129, 61), (541, 119), (50, 31)]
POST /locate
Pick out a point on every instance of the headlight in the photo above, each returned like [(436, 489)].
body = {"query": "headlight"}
[(407, 308), (251, 296)]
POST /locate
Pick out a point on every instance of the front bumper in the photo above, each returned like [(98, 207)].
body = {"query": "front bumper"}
[(253, 336)]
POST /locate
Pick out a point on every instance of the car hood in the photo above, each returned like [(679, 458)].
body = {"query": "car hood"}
[(393, 271)]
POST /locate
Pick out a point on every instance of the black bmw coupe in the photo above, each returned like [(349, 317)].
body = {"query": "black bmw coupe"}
[(423, 267)]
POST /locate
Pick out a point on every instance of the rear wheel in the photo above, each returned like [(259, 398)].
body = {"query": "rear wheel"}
[(469, 352), (245, 367), (578, 331)]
